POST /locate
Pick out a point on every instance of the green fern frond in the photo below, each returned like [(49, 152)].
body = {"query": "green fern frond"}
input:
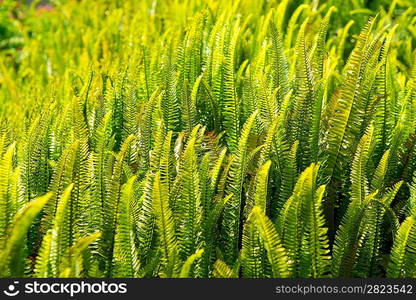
[(280, 68), (73, 265), (61, 235), (7, 207), (221, 270), (125, 256), (11, 256), (232, 211), (359, 181), (253, 253), (165, 227), (112, 200), (280, 263), (186, 268), (170, 105), (378, 179), (402, 258), (303, 228), (188, 206)]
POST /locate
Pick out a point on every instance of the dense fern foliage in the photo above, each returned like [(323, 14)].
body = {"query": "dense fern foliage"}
[(250, 138)]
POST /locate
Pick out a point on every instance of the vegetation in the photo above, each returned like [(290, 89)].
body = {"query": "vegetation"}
[(212, 138)]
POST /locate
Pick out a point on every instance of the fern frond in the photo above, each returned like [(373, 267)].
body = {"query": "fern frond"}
[(61, 235), (188, 206), (11, 256), (253, 253), (280, 263), (303, 229), (402, 258), (221, 270), (230, 229), (165, 227), (186, 268), (7, 207), (73, 265), (377, 181), (125, 257), (280, 68), (359, 181)]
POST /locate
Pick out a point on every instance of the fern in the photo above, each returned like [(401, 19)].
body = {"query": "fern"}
[(276, 254), (402, 254), (7, 207), (232, 210), (125, 257), (303, 229), (201, 139), (165, 226), (221, 270), (13, 251)]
